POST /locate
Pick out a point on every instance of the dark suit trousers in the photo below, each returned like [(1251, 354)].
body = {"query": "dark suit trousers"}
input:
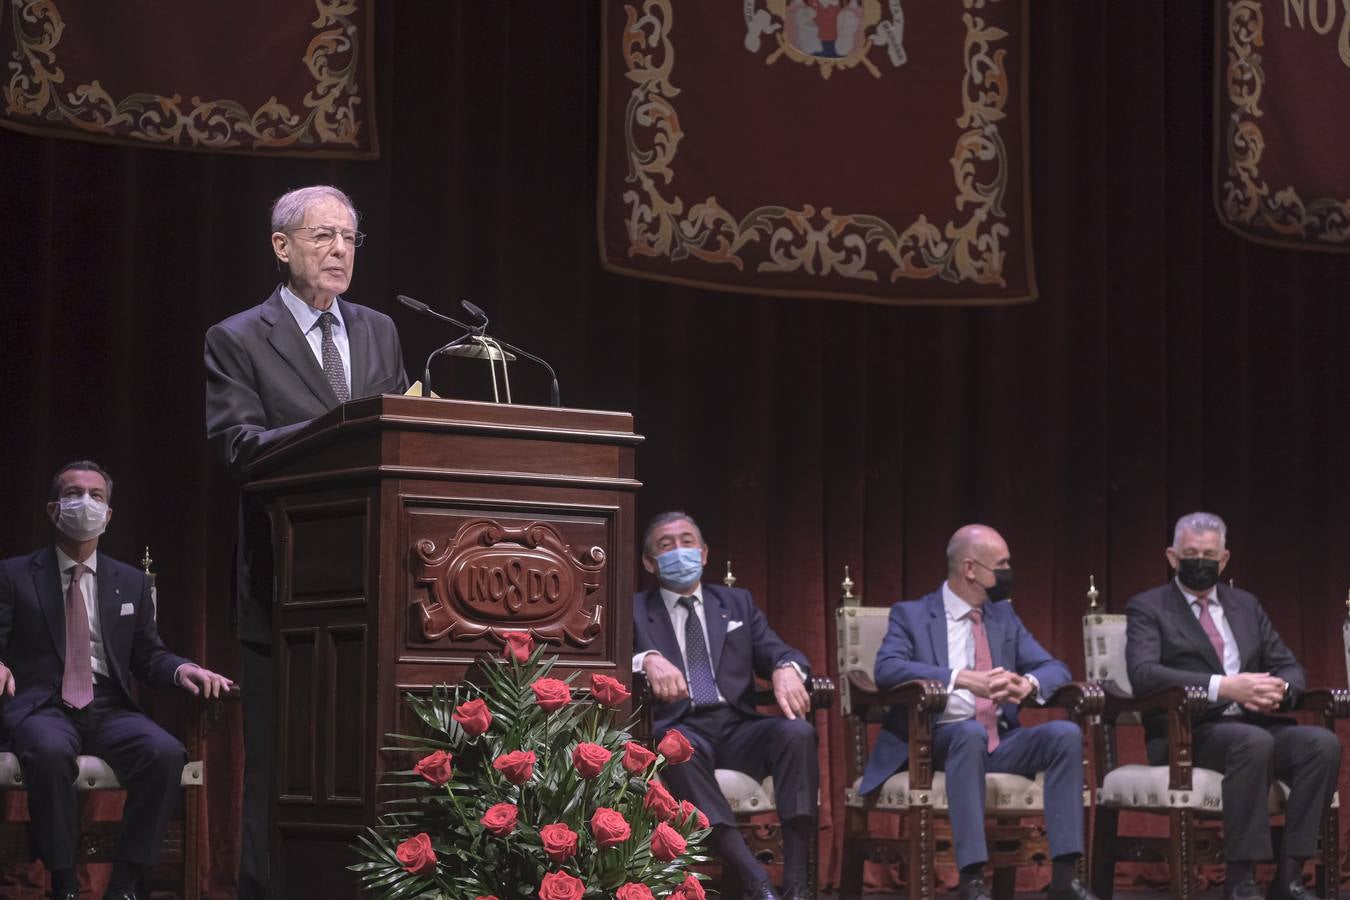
[(257, 691), (726, 738), (1306, 757), (147, 759), (960, 749)]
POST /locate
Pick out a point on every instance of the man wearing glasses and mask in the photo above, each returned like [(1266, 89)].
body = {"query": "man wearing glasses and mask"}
[(961, 636), (269, 371), (1194, 630)]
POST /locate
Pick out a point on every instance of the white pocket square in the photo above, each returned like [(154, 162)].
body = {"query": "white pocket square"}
[(128, 609), (733, 625)]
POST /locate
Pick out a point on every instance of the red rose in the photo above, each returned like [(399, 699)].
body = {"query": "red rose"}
[(519, 645), (435, 767), (415, 854), (561, 886), (474, 717), (659, 802), (590, 759), (560, 842), (636, 758), (551, 693), (486, 897), (667, 843), (500, 819), (675, 747), (688, 809), (634, 890), (517, 766), (691, 889), (608, 691), (609, 827)]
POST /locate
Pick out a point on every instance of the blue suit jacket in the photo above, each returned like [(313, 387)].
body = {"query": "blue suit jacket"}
[(916, 647), (33, 630), (738, 654)]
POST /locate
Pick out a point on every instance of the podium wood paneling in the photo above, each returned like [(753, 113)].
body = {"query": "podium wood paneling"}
[(408, 533)]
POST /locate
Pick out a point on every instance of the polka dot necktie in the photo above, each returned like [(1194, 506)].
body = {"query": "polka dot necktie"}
[(332, 359), (697, 663)]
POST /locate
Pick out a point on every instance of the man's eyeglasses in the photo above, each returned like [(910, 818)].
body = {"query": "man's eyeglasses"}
[(323, 235)]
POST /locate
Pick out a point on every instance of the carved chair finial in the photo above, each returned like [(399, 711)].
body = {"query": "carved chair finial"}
[(729, 579), (848, 598), (146, 561), (1092, 594)]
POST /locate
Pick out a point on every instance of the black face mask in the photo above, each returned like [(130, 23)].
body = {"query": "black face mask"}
[(1003, 585), (1197, 573)]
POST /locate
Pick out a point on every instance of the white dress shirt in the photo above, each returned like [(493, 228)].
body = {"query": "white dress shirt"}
[(1232, 662), (98, 658), (679, 617), (307, 317), (961, 655)]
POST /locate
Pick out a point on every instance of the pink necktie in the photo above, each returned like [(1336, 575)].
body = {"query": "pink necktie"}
[(985, 711), (77, 683), (1211, 630)]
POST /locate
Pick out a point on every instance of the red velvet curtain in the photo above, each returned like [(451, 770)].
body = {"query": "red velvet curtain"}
[(1169, 365)]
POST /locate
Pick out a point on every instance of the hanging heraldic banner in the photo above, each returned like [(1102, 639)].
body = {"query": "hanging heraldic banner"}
[(248, 76), (1282, 82), (869, 150)]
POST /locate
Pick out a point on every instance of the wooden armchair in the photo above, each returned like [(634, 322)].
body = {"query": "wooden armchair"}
[(178, 865), (747, 795), (918, 794), (1191, 798)]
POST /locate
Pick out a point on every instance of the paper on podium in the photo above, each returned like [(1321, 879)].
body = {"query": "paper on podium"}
[(415, 390)]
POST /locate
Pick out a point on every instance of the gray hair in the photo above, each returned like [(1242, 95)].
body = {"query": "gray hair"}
[(1200, 523), (665, 518), (289, 210), (79, 465)]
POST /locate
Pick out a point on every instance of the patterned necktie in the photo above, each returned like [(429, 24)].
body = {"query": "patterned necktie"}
[(697, 663), (77, 682), (1211, 630), (332, 360), (986, 713)]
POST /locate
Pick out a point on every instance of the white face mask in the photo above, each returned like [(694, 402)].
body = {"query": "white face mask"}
[(82, 518)]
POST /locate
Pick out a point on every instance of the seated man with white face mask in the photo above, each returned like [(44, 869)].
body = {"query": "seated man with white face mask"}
[(701, 646), (75, 625)]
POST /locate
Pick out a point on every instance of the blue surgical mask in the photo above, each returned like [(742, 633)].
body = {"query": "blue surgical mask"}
[(680, 568)]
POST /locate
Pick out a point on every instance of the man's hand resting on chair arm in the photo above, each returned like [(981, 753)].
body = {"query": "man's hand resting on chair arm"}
[(198, 681), (666, 680)]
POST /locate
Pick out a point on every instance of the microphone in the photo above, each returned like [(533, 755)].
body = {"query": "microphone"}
[(419, 306), (554, 399), (476, 312)]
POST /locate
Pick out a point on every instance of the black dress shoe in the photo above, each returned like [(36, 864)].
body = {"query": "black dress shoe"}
[(765, 891), (1243, 890), (973, 889), (1075, 891), (798, 891), (126, 893), (1294, 890)]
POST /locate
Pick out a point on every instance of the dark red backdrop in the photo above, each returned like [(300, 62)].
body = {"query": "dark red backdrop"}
[(1168, 365)]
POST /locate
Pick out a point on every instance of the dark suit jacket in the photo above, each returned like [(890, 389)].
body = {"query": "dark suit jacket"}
[(263, 384), (915, 646), (738, 654), (33, 630), (1165, 645)]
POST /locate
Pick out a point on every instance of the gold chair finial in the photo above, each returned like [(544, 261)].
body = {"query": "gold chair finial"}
[(729, 579), (1092, 593), (848, 598), (146, 561)]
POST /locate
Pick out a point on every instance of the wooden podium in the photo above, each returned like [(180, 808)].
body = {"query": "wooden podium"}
[(408, 534)]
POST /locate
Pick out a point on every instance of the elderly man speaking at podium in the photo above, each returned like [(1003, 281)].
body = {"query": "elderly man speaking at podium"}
[(269, 371)]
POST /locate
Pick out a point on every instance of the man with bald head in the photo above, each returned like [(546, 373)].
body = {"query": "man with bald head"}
[(269, 371), (961, 636), (1194, 630)]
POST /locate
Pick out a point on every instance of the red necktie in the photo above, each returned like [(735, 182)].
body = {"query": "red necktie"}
[(1211, 630), (986, 713), (77, 683)]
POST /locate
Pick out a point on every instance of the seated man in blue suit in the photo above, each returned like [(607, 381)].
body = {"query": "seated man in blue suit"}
[(701, 646), (75, 626), (961, 636)]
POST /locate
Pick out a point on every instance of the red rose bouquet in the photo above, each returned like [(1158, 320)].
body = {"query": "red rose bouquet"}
[(529, 786)]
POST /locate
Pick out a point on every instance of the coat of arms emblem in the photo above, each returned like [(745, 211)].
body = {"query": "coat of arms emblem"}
[(829, 34)]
